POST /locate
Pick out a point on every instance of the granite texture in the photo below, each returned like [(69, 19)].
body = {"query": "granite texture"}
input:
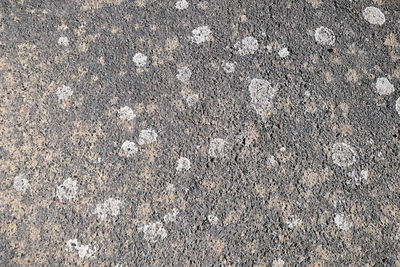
[(199, 133)]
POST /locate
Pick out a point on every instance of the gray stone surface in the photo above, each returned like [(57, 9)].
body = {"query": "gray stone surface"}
[(199, 133)]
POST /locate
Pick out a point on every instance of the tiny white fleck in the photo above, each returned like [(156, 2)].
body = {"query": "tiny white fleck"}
[(217, 148), (272, 161), (126, 113), (293, 221), (383, 86), (230, 67), (183, 164), (110, 206), (212, 219), (342, 222), (324, 36), (140, 59), (84, 251), (181, 4), (21, 183), (153, 232), (397, 105), (184, 74), (284, 52), (307, 93), (63, 41), (247, 46), (67, 190), (374, 15), (201, 34), (171, 188), (147, 137), (64, 92), (278, 263), (99, 159), (192, 100), (171, 216), (343, 154), (261, 93), (129, 148), (282, 149), (263, 34)]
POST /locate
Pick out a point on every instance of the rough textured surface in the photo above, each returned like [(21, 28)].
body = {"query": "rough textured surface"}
[(132, 134)]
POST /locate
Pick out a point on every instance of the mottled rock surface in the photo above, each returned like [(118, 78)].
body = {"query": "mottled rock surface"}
[(199, 133)]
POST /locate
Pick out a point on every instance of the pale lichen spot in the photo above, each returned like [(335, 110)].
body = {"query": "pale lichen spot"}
[(284, 52), (21, 183), (278, 263), (217, 148), (126, 113), (183, 164), (383, 86), (110, 207), (63, 92), (153, 232), (293, 221), (212, 219), (343, 155), (261, 93), (374, 15), (191, 100), (147, 136), (201, 34), (342, 222), (229, 67), (324, 36), (181, 4), (171, 216), (184, 74), (140, 60), (67, 190), (397, 105), (63, 41), (357, 178), (247, 46), (84, 251), (129, 148)]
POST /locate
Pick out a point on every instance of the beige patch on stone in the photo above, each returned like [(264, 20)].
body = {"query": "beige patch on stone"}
[(96, 4), (232, 217), (352, 76), (315, 3), (391, 40)]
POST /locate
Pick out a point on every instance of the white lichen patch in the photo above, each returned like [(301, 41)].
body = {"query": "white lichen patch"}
[(201, 34), (67, 190), (397, 105), (278, 263), (63, 92), (129, 148), (247, 46), (229, 67), (171, 216), (153, 232), (181, 4), (21, 183), (383, 86), (110, 207), (84, 251), (212, 219), (343, 155), (324, 36), (147, 136), (284, 52), (217, 148), (272, 161), (126, 113), (293, 221), (183, 164), (358, 178), (342, 222), (192, 100), (63, 41), (184, 74), (261, 94), (374, 15), (140, 60)]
